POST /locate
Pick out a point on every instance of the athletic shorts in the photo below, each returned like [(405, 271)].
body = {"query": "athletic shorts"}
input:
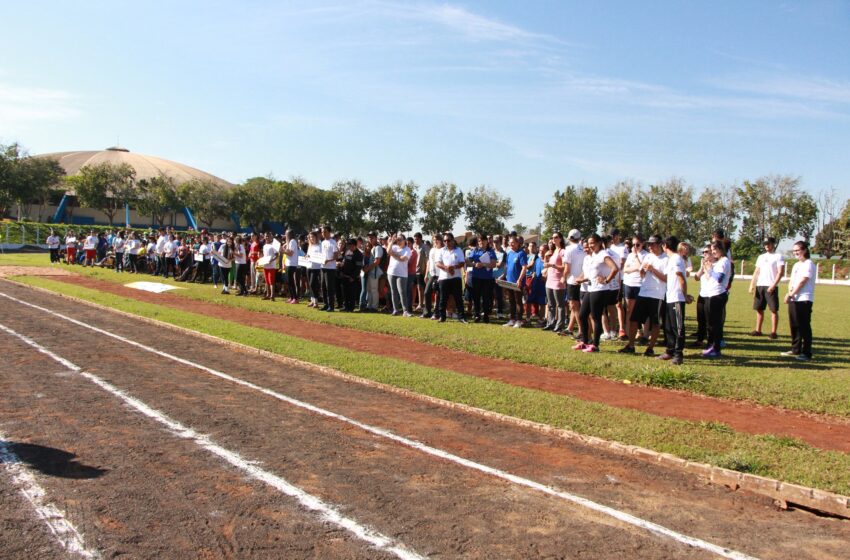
[(573, 292), (269, 275), (613, 297), (763, 299), (420, 280), (647, 309), (91, 254), (631, 291)]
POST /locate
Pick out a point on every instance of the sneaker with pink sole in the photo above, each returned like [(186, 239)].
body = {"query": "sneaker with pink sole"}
[(580, 346), (590, 348)]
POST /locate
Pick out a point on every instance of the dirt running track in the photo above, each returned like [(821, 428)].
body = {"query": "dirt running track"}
[(818, 431), (135, 490)]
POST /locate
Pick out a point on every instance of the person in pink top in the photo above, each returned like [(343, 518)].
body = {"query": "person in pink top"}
[(556, 287)]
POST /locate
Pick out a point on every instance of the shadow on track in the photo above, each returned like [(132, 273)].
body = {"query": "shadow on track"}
[(53, 462)]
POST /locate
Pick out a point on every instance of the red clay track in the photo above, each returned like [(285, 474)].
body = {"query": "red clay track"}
[(824, 433)]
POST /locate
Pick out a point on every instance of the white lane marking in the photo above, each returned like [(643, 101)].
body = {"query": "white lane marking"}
[(326, 512), (62, 529), (584, 502)]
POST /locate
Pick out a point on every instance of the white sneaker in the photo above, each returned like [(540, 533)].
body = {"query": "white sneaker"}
[(518, 324), (605, 336), (406, 314), (500, 316), (509, 323)]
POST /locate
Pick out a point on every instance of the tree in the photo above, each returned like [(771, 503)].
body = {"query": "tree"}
[(352, 203), (572, 208), (206, 199), (252, 201), (441, 206), (394, 207), (305, 206), (157, 197), (670, 208), (623, 207), (829, 208), (486, 210), (26, 180), (714, 208), (519, 228), (105, 186), (775, 206)]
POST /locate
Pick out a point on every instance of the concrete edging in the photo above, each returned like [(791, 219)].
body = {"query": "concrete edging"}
[(782, 492)]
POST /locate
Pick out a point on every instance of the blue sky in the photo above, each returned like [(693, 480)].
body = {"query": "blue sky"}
[(525, 97)]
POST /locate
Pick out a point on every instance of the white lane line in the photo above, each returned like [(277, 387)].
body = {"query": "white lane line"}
[(63, 530), (584, 502), (326, 512)]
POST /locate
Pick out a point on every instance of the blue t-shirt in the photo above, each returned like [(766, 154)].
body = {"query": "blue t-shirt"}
[(538, 268), (515, 261), (482, 273)]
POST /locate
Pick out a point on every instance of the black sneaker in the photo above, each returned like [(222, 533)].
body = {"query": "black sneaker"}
[(485, 319), (649, 352), (548, 327), (627, 350), (463, 320), (677, 361)]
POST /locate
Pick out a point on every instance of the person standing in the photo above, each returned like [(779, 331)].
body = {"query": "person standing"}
[(53, 243), (676, 277), (765, 287), (421, 269), (498, 272), (240, 260), (291, 251), (397, 273), (556, 287), (270, 255), (432, 278), (352, 264), (800, 299), (90, 248), (598, 270), (373, 273), (482, 260), (516, 263), (650, 299), (450, 265), (314, 273), (573, 265), (71, 247), (330, 252), (718, 271)]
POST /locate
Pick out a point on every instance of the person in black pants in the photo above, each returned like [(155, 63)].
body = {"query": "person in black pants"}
[(451, 263), (599, 269), (352, 264), (800, 299)]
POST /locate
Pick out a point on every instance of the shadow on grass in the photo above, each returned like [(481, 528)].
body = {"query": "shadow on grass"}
[(54, 462)]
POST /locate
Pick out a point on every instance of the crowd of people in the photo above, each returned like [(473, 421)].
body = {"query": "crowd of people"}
[(593, 289)]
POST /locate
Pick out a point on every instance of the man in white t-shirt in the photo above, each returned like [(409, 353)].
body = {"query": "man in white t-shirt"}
[(770, 267), (675, 277), (330, 250), (450, 264)]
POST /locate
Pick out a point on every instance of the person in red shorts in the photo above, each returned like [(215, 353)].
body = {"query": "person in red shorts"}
[(90, 247), (71, 247)]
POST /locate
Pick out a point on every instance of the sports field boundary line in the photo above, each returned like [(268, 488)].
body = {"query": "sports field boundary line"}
[(783, 493)]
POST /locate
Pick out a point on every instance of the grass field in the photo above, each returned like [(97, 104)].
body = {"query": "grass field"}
[(710, 442), (751, 369)]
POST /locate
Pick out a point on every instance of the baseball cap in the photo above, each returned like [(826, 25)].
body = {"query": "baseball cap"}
[(574, 234)]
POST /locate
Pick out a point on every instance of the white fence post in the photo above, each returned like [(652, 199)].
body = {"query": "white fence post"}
[(833, 273), (742, 267), (817, 274)]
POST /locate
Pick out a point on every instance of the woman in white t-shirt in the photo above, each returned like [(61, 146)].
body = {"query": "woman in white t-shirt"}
[(399, 254), (314, 273), (270, 254), (800, 299), (718, 270), (598, 271), (632, 278)]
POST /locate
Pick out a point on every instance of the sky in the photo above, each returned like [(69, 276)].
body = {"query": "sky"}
[(524, 97)]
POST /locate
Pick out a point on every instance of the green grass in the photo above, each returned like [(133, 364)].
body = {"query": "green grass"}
[(751, 370), (711, 442)]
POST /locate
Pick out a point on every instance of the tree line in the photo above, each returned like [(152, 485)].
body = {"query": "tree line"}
[(770, 206)]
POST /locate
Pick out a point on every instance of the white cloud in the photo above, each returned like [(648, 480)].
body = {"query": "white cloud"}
[(804, 88), (21, 106)]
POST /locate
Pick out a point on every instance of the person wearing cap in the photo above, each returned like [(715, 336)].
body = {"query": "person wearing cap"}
[(650, 299), (800, 299), (573, 264), (765, 286)]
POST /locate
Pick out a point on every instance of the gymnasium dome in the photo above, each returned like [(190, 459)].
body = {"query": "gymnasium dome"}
[(146, 167)]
